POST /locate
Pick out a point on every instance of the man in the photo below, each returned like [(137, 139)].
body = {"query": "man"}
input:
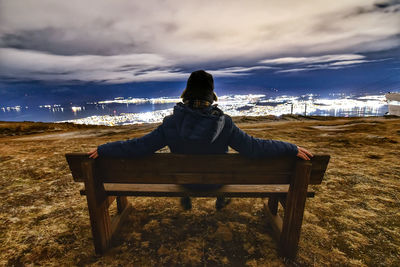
[(198, 127)]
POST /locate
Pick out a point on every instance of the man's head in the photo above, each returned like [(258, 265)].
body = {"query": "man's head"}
[(200, 85)]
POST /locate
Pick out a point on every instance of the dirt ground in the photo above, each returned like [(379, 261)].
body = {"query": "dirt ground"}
[(354, 219)]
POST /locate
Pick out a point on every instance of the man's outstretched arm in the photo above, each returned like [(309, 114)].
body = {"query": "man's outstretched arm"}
[(135, 147), (256, 147)]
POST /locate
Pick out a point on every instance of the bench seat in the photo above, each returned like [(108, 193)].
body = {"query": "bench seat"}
[(172, 190)]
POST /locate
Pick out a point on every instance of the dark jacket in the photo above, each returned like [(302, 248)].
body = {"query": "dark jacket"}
[(198, 131)]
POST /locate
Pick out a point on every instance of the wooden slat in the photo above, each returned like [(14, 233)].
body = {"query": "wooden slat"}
[(195, 178), (163, 168), (172, 190), (319, 165), (180, 169), (74, 161)]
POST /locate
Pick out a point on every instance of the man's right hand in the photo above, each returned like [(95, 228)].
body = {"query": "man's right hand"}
[(304, 153), (93, 154)]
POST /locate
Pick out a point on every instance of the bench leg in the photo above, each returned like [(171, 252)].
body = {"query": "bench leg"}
[(271, 212), (273, 205), (98, 209), (123, 208), (122, 203), (294, 210), (283, 202)]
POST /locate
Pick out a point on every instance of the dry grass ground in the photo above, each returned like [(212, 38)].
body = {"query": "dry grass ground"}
[(354, 219)]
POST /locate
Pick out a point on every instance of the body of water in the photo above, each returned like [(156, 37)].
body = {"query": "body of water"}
[(139, 110)]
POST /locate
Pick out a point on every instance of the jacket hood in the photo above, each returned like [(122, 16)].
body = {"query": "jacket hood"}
[(202, 125)]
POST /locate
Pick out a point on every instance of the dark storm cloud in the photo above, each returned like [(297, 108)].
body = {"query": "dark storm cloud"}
[(386, 4), (378, 7)]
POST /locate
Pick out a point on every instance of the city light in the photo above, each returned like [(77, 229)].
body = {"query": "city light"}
[(249, 105)]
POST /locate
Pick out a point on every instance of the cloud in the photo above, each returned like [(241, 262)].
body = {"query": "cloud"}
[(293, 70), (25, 65), (238, 71), (316, 62), (123, 40), (307, 60), (349, 62)]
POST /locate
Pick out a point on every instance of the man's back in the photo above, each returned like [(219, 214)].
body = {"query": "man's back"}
[(197, 131)]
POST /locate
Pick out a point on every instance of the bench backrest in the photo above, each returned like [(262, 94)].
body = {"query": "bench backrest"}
[(167, 168)]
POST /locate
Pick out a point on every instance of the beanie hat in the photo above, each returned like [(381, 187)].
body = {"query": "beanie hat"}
[(200, 85)]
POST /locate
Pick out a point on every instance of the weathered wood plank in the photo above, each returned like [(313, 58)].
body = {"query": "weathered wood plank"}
[(75, 161), (98, 204), (294, 210), (194, 178), (171, 190), (319, 165), (181, 169)]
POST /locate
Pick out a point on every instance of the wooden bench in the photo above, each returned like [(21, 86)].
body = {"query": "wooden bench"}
[(282, 180)]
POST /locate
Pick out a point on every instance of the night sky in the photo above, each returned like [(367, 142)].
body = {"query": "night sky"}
[(71, 51)]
